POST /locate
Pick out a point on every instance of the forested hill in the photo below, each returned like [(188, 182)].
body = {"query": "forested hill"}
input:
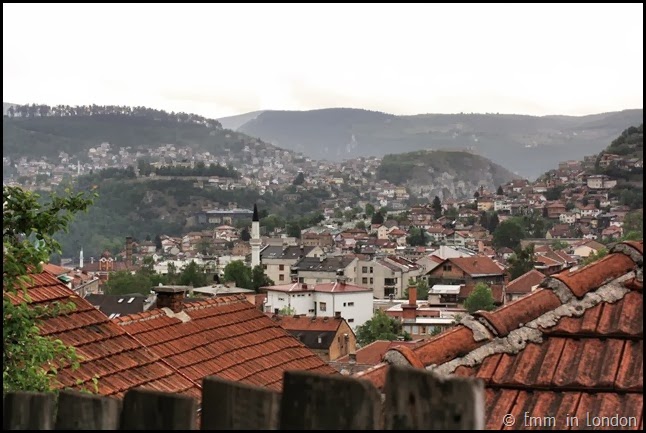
[(443, 173), (526, 145), (44, 131)]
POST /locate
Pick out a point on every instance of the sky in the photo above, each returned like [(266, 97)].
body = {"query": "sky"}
[(219, 60)]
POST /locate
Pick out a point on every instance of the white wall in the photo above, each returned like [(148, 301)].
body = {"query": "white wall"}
[(360, 312), (301, 302)]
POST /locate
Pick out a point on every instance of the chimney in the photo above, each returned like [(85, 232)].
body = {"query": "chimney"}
[(412, 295), (171, 297), (353, 358), (128, 250), (409, 311)]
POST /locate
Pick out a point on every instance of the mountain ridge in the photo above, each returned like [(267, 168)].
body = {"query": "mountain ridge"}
[(528, 145)]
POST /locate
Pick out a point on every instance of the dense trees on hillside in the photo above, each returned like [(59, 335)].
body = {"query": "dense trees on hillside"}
[(34, 110)]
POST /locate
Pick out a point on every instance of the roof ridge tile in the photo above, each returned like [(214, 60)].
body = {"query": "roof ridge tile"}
[(596, 274)]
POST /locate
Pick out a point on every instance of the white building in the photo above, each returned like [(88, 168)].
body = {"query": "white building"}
[(353, 303)]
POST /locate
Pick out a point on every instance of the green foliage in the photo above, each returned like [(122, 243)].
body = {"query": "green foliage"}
[(417, 237), (595, 256), (417, 167), (369, 210), (508, 234), (125, 283), (287, 311), (192, 275), (239, 273), (489, 220), (500, 191), (30, 361), (299, 179), (559, 245), (259, 278), (480, 298), (380, 327), (360, 225), (554, 193), (422, 289), (437, 207), (377, 218), (521, 262)]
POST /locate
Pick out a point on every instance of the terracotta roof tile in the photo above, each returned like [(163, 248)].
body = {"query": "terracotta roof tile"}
[(584, 356), (107, 352), (521, 311), (302, 323), (227, 337), (457, 341), (525, 282), (477, 265), (596, 274)]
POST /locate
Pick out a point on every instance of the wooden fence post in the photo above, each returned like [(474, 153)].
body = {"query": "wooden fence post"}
[(313, 401), (153, 410), (28, 411), (81, 411), (230, 405), (421, 400)]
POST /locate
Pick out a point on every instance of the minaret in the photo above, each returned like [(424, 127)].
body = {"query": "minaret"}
[(81, 259), (255, 238)]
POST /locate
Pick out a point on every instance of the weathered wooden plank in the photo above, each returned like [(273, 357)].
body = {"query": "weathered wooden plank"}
[(81, 411), (421, 400), (316, 401), (153, 410), (28, 411), (230, 405)]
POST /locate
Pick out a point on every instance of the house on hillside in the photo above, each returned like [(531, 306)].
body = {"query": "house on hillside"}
[(328, 337)]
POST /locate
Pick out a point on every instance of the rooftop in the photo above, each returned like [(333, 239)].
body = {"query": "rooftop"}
[(573, 346), (226, 337), (115, 358)]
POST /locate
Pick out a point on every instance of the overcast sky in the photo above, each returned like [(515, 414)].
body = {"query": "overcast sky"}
[(218, 60)]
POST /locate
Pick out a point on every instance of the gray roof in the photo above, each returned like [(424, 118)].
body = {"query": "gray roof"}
[(280, 252), (329, 264)]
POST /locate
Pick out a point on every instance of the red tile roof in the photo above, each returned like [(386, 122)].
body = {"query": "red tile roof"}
[(225, 336), (573, 346), (302, 323), (477, 265), (373, 353), (108, 352), (525, 282)]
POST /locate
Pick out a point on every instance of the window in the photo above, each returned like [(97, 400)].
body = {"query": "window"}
[(350, 304), (281, 277), (350, 320), (310, 311), (301, 280), (322, 306), (422, 329), (370, 280), (264, 267), (364, 280), (281, 299), (371, 269), (364, 269), (281, 267), (447, 268), (344, 304)]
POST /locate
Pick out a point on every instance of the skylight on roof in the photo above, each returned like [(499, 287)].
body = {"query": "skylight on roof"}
[(130, 300)]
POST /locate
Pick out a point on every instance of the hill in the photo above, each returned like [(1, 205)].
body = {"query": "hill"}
[(43, 131), (527, 145), (235, 122), (443, 173)]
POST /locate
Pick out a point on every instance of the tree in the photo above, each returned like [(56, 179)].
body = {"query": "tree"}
[(417, 237), (369, 210), (360, 225), (245, 235), (597, 203), (259, 278), (437, 207), (380, 327), (377, 218), (29, 360), (521, 262), (287, 311), (508, 234), (476, 195), (480, 298), (559, 245), (594, 257), (500, 191), (239, 273), (192, 275), (294, 230), (422, 289), (125, 283), (158, 243), (300, 179)]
